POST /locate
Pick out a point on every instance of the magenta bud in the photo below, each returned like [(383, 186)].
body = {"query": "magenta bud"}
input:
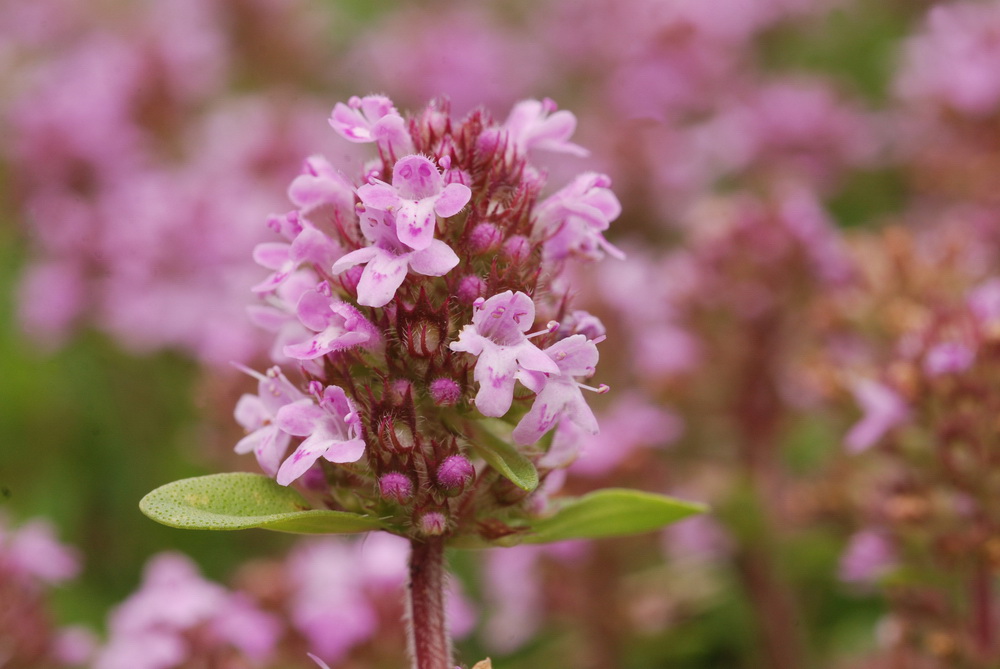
[(455, 473), (485, 237), (517, 248), (396, 487), (432, 523), (469, 289), (445, 392)]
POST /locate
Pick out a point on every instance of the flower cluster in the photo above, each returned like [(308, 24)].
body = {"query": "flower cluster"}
[(419, 308)]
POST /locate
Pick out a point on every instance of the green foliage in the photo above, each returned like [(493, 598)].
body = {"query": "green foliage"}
[(496, 449), (609, 513), (239, 501)]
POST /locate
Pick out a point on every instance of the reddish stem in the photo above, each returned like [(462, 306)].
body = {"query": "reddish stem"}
[(983, 614), (428, 628)]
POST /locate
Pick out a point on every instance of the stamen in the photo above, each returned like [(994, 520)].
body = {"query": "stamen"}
[(550, 327), (600, 390)]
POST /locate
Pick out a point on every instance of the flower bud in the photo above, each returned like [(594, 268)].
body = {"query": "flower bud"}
[(396, 487), (432, 523), (484, 238), (469, 288), (517, 248), (455, 474), (445, 392)]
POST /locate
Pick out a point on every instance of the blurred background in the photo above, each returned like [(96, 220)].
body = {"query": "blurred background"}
[(803, 335)]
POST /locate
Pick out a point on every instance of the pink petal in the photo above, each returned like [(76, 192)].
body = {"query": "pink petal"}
[(271, 255), (299, 418), (382, 277), (354, 258), (304, 457), (415, 223), (379, 196), (452, 199), (345, 451), (436, 260)]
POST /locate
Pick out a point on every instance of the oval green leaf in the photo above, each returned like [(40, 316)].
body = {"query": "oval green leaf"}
[(608, 513), (496, 449), (239, 501)]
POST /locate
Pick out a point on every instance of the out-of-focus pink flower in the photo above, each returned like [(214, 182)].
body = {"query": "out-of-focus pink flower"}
[(883, 409), (572, 220), (149, 629), (868, 556), (372, 118), (33, 552), (950, 357), (953, 62)]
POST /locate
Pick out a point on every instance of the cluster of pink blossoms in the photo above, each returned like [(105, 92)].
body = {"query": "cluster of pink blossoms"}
[(417, 298)]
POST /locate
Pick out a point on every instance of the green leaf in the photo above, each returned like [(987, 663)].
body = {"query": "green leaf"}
[(608, 513), (499, 453), (239, 501)]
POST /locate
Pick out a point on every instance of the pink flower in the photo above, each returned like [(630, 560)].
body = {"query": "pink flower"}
[(497, 336), (883, 410), (560, 395), (572, 220), (320, 185), (372, 118), (332, 430), (949, 357), (256, 413), (309, 246), (537, 125), (338, 324), (417, 193), (33, 551), (387, 260), (868, 555)]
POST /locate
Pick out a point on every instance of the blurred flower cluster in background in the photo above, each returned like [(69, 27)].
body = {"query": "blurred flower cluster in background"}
[(801, 296)]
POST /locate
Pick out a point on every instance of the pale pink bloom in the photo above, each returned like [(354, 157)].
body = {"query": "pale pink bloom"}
[(560, 395), (308, 246), (321, 186), (883, 409), (534, 124), (984, 301), (950, 357), (497, 336), (416, 197), (257, 413), (338, 325), (332, 430), (33, 551), (572, 220), (372, 118), (868, 556), (149, 630), (388, 260), (954, 60)]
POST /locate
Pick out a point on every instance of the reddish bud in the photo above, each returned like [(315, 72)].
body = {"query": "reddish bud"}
[(396, 487), (445, 392), (484, 238), (432, 523), (517, 248), (469, 288), (455, 473)]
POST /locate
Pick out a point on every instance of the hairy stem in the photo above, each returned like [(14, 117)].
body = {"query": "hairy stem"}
[(430, 647)]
